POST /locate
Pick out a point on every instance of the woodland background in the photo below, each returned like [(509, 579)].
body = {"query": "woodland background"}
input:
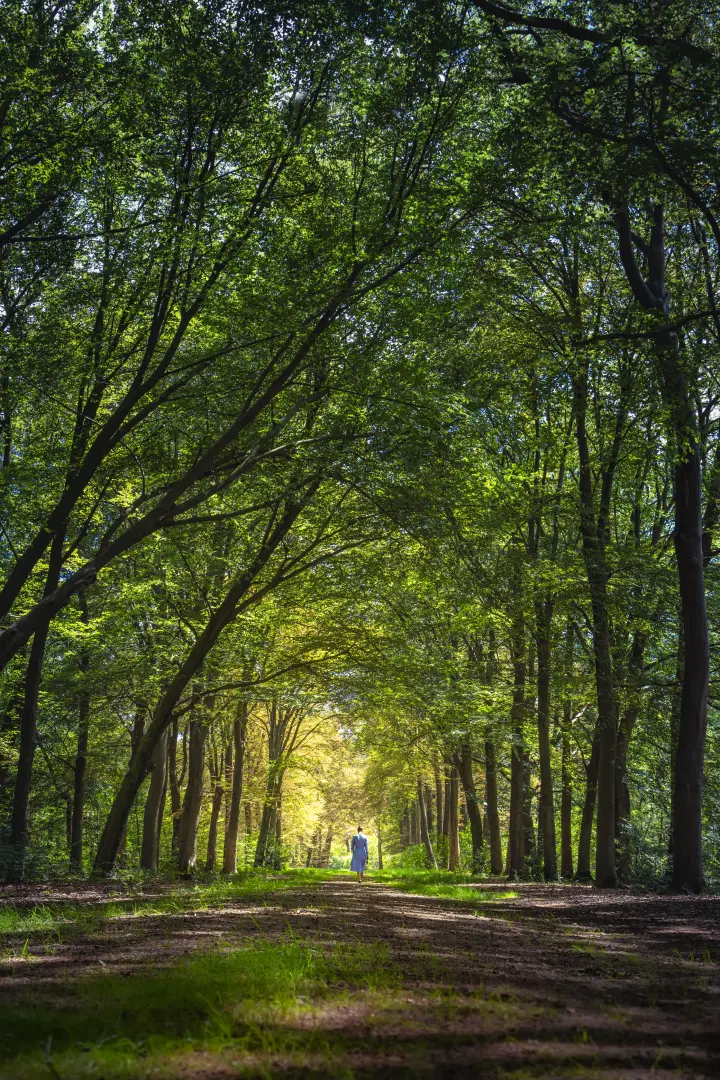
[(359, 402)]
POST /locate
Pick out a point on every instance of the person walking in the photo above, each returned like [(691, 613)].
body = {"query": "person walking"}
[(359, 848)]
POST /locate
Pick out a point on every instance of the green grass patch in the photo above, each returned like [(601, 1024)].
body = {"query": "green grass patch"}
[(67, 918), (442, 884), (239, 999)]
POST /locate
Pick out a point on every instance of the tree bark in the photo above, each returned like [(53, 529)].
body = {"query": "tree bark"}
[(211, 857), (496, 863), (586, 823), (687, 872), (80, 765), (20, 820), (438, 799), (546, 823), (176, 782), (593, 545), (424, 828), (516, 838), (192, 802), (464, 763), (380, 850), (154, 806), (626, 725), (454, 837), (566, 804), (231, 835)]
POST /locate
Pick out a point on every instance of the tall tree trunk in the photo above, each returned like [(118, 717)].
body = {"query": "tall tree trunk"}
[(414, 832), (176, 782), (429, 808), (192, 802), (496, 863), (425, 828), (689, 556), (546, 815), (528, 827), (626, 725), (454, 838), (20, 820), (211, 857), (228, 774), (586, 822), (327, 848), (464, 763), (516, 837), (438, 799), (593, 544), (379, 845), (566, 804), (446, 798), (80, 765), (265, 843), (231, 835), (675, 707), (154, 806)]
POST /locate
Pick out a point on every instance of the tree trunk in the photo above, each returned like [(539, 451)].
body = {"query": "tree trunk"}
[(678, 398), (425, 828), (263, 851), (192, 802), (327, 848), (593, 544), (687, 793), (231, 834), (625, 730), (438, 800), (454, 838), (429, 808), (586, 823), (79, 768), (20, 820), (566, 805), (516, 838), (446, 799), (528, 827), (464, 763), (217, 802), (496, 864), (675, 707), (228, 774), (176, 782), (546, 814), (414, 837), (154, 806), (379, 845)]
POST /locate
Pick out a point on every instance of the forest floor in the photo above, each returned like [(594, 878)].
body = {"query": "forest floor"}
[(313, 975)]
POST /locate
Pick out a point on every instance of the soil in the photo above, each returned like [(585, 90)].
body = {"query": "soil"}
[(560, 981)]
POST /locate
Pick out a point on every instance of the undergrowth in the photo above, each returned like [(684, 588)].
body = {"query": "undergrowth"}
[(131, 1026)]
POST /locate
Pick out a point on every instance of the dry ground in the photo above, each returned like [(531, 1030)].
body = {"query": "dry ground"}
[(560, 981)]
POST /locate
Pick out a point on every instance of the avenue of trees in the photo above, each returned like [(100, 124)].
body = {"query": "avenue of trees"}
[(359, 436)]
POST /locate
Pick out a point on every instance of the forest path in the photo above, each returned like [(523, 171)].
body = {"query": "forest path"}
[(557, 980)]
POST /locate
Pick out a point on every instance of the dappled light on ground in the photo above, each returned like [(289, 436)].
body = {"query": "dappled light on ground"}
[(336, 979)]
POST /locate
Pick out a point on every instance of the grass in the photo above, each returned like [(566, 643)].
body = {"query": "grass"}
[(440, 883), (65, 919), (240, 999)]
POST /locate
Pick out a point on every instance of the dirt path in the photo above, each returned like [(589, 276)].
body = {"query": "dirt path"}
[(561, 981)]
